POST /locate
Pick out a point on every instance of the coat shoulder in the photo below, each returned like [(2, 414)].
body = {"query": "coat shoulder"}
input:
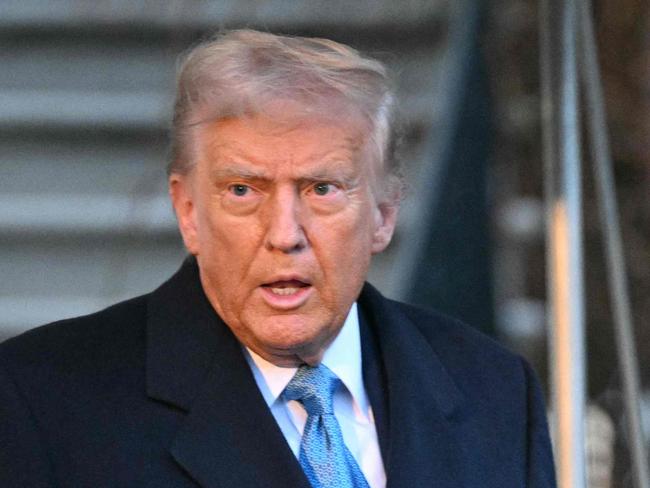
[(456, 336), (480, 367), (455, 342), (100, 339)]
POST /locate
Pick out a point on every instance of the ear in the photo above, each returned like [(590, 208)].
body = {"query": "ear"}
[(181, 194), (385, 220)]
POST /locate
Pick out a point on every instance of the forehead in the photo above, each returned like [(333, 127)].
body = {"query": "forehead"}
[(286, 140)]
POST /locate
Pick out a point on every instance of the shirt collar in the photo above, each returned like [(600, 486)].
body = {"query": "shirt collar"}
[(343, 357)]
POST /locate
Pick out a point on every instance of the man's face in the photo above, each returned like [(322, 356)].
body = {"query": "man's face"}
[(283, 220)]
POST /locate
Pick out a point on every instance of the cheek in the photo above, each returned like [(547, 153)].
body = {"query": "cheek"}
[(230, 244), (343, 245), (219, 229)]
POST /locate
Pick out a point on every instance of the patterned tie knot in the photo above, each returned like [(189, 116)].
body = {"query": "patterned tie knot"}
[(314, 388)]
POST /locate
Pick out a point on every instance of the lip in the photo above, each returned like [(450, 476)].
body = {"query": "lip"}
[(286, 302)]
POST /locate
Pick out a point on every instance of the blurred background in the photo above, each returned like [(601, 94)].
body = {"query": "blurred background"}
[(86, 89)]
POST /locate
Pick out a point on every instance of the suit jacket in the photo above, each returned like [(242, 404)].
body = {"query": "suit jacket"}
[(155, 391)]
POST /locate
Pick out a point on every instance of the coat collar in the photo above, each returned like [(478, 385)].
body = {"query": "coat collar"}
[(180, 319), (424, 404)]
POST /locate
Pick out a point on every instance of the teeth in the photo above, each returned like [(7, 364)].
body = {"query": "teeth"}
[(284, 291)]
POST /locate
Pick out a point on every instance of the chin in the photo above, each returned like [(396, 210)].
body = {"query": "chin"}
[(294, 338), (288, 343)]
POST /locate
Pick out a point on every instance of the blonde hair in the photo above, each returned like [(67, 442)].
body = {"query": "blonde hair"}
[(239, 72)]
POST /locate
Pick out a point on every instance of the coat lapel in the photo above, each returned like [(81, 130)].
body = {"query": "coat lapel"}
[(424, 404), (229, 436)]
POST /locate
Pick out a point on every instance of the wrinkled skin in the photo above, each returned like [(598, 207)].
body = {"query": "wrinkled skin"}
[(283, 217)]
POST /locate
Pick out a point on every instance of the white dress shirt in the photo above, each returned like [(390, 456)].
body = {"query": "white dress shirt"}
[(351, 405)]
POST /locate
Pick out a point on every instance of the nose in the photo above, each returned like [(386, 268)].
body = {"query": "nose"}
[(285, 230)]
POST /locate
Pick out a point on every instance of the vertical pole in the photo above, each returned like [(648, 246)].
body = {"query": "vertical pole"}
[(606, 193), (563, 194)]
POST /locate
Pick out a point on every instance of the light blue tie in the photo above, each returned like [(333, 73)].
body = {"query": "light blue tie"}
[(326, 460)]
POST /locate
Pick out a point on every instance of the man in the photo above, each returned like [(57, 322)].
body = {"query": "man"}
[(266, 361)]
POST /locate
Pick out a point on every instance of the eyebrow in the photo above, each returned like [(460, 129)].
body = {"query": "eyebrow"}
[(332, 170), (238, 171)]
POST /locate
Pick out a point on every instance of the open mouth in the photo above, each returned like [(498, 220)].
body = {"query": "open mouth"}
[(285, 287)]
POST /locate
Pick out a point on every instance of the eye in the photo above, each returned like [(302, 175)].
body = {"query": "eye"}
[(239, 190), (322, 189)]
